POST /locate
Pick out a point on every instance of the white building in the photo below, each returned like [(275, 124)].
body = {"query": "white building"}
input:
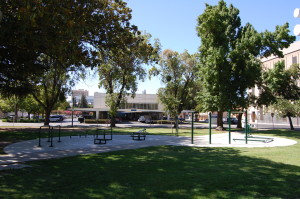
[(77, 94), (141, 104), (263, 115)]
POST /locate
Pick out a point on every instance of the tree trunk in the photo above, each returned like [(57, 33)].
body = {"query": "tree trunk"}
[(16, 113), (220, 121), (175, 122), (291, 122), (113, 121), (239, 124), (47, 117)]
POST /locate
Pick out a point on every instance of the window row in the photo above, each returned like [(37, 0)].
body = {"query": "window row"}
[(139, 106)]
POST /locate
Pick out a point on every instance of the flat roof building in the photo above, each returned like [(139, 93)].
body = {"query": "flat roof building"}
[(141, 104), (263, 115)]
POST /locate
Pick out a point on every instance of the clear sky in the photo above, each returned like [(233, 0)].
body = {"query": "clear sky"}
[(174, 22)]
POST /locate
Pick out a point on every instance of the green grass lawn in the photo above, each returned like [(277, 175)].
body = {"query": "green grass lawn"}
[(163, 172)]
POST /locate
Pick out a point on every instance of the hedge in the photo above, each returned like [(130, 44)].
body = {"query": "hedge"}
[(24, 120), (163, 122), (96, 121)]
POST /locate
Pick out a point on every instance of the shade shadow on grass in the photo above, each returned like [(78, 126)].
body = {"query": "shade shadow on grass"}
[(281, 132), (155, 172)]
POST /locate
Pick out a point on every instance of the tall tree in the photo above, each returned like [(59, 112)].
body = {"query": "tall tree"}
[(123, 67), (51, 87), (72, 32), (280, 89), (229, 57), (83, 102), (31, 106), (5, 106), (68, 34), (178, 73)]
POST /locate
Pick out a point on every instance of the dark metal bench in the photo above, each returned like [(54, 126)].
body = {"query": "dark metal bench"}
[(102, 135), (139, 135), (257, 139)]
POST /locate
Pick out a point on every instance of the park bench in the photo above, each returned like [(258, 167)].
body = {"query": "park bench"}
[(139, 135), (102, 135), (257, 139)]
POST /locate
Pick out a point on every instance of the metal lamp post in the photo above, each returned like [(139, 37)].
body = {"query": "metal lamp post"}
[(297, 27)]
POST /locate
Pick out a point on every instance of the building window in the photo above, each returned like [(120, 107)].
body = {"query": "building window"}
[(139, 106), (294, 60)]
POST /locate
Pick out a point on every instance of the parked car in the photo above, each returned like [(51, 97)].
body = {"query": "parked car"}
[(82, 117), (144, 118), (233, 120), (149, 121), (55, 118)]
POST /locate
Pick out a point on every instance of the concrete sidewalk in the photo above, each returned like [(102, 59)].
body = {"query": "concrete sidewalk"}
[(29, 151)]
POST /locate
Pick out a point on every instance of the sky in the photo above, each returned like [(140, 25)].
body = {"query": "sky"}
[(174, 23)]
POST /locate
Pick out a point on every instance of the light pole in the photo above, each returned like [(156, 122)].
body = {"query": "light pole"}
[(272, 115), (297, 27), (73, 100)]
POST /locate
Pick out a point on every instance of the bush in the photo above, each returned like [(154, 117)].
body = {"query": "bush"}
[(163, 122), (96, 121), (23, 120)]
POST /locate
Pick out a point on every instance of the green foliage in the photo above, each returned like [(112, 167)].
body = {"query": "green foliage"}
[(30, 105), (163, 122), (51, 87), (71, 32), (96, 121), (24, 120), (83, 102), (280, 89), (229, 56), (122, 67), (284, 108), (178, 73), (62, 105), (218, 27), (281, 82), (6, 105)]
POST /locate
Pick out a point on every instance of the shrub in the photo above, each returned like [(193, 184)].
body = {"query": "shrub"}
[(163, 122), (23, 120), (96, 121)]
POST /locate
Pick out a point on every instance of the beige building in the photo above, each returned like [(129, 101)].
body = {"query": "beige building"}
[(141, 104), (263, 115), (80, 92)]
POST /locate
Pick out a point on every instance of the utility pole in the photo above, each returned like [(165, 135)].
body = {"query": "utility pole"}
[(297, 27)]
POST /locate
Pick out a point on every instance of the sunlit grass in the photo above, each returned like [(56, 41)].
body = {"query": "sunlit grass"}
[(164, 172)]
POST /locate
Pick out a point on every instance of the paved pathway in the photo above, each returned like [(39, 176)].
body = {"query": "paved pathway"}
[(21, 152)]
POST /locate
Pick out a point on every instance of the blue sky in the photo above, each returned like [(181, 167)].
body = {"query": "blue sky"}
[(174, 22)]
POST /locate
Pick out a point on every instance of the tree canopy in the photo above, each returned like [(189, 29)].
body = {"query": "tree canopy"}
[(178, 73), (51, 87), (71, 32), (122, 67), (229, 57), (279, 88)]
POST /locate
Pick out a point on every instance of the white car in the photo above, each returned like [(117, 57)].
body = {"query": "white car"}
[(54, 118)]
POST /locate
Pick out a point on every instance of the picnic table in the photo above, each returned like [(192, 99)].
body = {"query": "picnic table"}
[(102, 135), (139, 135)]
